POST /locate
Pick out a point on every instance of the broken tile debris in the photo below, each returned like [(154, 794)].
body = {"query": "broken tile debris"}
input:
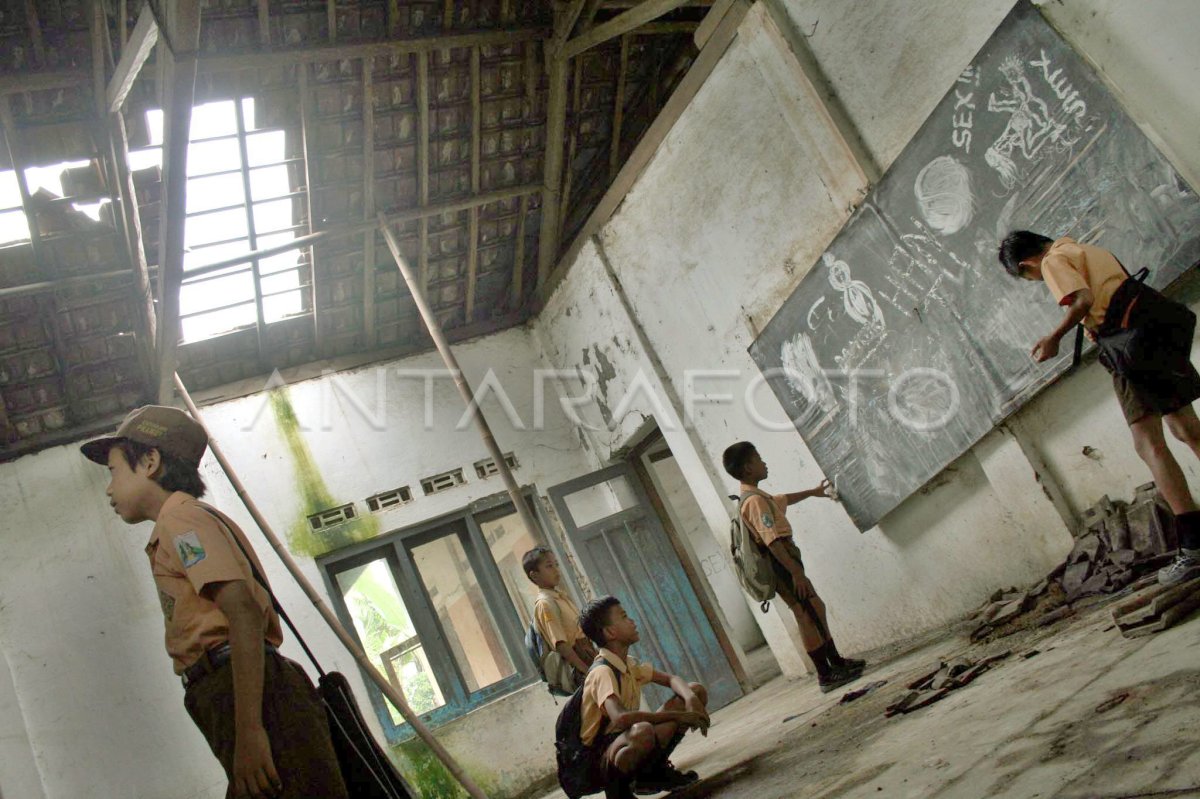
[(859, 693), (1117, 544), (937, 684)]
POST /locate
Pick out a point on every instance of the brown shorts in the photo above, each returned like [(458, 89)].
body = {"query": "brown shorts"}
[(1176, 383), (293, 717), (785, 585)]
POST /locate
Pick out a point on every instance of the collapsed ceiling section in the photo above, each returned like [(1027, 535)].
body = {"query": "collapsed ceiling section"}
[(308, 119)]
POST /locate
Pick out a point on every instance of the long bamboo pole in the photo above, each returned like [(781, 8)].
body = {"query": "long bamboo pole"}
[(460, 380), (394, 696)]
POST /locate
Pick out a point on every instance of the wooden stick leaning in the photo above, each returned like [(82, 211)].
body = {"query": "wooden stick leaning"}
[(443, 347), (394, 696)]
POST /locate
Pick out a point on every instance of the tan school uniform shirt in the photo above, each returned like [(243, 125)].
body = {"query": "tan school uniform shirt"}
[(1069, 266), (601, 683), (557, 617), (765, 516), (188, 550)]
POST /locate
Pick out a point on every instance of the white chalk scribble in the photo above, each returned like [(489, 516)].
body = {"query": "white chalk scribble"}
[(1030, 125), (943, 190), (804, 372), (856, 295)]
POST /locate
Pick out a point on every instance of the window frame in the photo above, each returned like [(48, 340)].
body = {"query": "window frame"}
[(396, 548)]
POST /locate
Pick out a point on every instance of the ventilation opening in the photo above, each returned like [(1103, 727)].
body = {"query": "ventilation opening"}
[(334, 516), (441, 482), (390, 499), (487, 467)]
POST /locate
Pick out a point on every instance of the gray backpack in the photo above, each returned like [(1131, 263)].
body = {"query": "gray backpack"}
[(751, 560)]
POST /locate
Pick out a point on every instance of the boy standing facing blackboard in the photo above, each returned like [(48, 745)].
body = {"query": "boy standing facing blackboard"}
[(1145, 342)]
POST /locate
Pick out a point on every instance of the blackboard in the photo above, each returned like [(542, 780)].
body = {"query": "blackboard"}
[(907, 342)]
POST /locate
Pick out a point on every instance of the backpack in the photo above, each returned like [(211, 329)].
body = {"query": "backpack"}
[(538, 648), (751, 560), (577, 764)]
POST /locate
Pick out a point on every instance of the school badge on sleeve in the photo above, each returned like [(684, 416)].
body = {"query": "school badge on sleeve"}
[(190, 550), (767, 521)]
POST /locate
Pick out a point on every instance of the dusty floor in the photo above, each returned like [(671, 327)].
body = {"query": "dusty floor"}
[(1091, 715)]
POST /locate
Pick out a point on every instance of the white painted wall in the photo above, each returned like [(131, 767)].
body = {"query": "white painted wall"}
[(739, 201), (80, 623)]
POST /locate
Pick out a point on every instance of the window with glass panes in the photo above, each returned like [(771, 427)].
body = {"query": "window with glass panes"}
[(243, 194), (441, 610)]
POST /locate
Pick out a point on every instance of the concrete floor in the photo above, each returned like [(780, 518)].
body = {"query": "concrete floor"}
[(1036, 727)]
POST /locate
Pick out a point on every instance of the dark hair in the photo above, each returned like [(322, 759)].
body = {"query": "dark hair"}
[(735, 457), (594, 618), (532, 559), (173, 475), (1019, 245)]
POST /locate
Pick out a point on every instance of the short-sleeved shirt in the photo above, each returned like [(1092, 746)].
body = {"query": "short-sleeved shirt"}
[(1069, 266), (765, 515), (188, 550), (557, 617), (601, 683)]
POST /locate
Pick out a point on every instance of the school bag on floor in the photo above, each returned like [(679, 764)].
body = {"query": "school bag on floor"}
[(577, 765), (751, 560)]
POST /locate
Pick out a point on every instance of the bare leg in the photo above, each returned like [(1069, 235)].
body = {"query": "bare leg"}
[(633, 747), (810, 633), (1185, 426), (1151, 446)]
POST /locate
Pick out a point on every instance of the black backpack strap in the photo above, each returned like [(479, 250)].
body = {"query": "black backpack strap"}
[(220, 517)]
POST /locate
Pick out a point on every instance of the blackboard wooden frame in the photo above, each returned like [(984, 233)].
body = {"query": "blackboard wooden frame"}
[(907, 343)]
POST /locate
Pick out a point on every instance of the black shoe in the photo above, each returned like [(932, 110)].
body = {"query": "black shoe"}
[(836, 679), (853, 665), (663, 778)]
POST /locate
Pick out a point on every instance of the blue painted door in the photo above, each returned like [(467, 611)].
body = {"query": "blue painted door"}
[(624, 551)]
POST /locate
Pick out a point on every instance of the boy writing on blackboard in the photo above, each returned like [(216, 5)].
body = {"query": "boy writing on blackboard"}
[(1145, 342), (765, 516)]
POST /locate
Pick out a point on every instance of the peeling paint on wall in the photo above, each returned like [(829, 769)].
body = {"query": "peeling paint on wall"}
[(310, 485)]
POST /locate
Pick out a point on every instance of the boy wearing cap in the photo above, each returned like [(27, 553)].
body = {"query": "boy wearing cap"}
[(258, 710)]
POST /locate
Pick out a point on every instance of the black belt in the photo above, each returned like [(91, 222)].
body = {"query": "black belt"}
[(210, 661)]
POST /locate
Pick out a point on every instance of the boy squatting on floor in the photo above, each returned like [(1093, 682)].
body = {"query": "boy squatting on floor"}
[(765, 515), (258, 710), (629, 749)]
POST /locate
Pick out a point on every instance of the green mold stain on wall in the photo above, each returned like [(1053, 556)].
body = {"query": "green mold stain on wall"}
[(428, 777), (315, 496)]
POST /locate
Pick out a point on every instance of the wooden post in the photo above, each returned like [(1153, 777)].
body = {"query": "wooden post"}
[(305, 137), (178, 91), (473, 214), (370, 332), (423, 166), (614, 153), (556, 117), (464, 389), (394, 696), (264, 23)]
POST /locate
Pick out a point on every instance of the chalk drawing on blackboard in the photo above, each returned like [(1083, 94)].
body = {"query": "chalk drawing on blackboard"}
[(1030, 126), (943, 190), (924, 399), (804, 372), (856, 295)]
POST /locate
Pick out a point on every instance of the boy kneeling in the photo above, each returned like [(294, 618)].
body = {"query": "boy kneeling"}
[(631, 747)]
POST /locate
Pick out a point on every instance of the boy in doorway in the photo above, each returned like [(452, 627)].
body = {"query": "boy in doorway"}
[(632, 747), (258, 710), (1097, 291), (765, 515), (557, 619)]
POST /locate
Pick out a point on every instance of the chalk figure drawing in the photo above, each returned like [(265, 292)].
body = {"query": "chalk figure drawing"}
[(856, 295), (1030, 125), (943, 190)]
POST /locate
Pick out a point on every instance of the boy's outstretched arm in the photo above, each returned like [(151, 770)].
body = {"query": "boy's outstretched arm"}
[(820, 491), (1081, 303), (254, 771)]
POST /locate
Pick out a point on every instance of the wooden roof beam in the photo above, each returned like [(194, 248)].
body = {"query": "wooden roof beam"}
[(370, 334), (133, 57), (179, 89), (473, 213), (209, 64), (627, 22)]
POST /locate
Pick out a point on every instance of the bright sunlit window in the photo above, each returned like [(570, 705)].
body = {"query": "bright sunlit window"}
[(228, 154), (14, 227)]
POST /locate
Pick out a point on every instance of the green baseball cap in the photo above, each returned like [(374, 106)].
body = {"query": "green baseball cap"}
[(169, 430)]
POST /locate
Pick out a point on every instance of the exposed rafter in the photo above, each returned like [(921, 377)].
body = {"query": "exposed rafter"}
[(209, 64), (623, 23), (370, 333), (133, 57), (178, 93)]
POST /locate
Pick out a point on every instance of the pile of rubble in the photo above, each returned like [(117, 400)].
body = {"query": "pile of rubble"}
[(1117, 543)]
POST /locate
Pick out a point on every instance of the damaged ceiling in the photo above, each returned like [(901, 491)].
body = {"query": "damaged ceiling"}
[(435, 114)]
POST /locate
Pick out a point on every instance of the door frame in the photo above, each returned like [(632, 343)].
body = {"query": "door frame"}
[(700, 586)]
